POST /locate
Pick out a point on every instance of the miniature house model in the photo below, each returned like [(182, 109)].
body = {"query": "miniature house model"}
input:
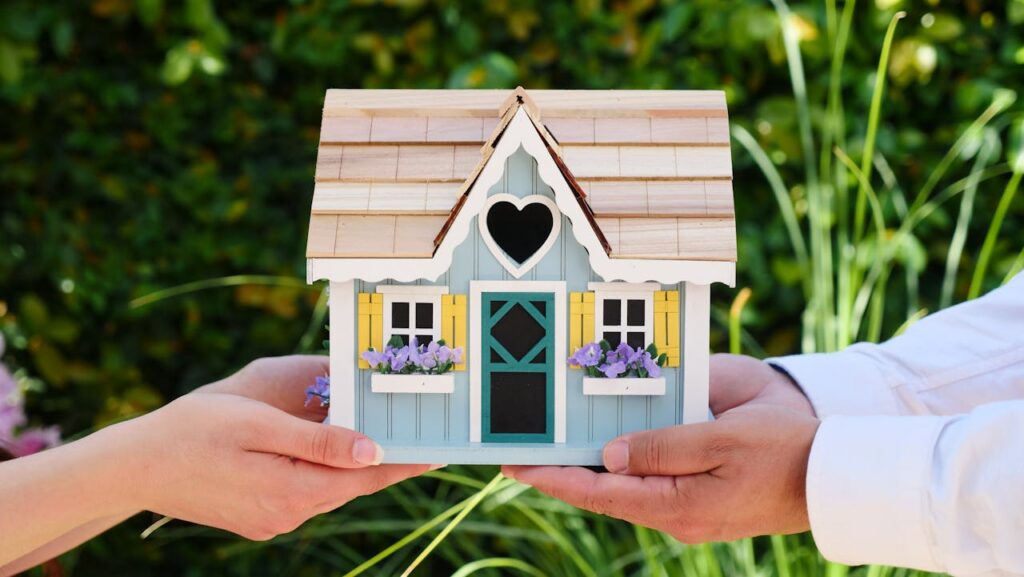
[(519, 226)]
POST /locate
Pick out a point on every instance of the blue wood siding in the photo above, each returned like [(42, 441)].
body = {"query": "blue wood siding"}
[(402, 419)]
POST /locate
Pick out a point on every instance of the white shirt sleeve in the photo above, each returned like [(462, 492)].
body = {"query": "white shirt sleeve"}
[(945, 364), (898, 475), (934, 493)]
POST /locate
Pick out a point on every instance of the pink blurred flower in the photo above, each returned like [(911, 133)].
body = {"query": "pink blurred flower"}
[(12, 417)]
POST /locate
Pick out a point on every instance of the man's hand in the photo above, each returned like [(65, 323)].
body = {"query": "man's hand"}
[(740, 476), (738, 380)]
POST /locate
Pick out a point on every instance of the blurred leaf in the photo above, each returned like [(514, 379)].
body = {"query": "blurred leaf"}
[(10, 63), (149, 11)]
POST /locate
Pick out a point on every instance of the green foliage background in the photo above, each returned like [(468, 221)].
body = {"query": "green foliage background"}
[(146, 144)]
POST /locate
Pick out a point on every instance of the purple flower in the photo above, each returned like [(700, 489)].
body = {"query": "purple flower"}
[(11, 414), (321, 389), (399, 358), (444, 354), (427, 361), (650, 365), (32, 441), (374, 358), (457, 355), (612, 370), (587, 356)]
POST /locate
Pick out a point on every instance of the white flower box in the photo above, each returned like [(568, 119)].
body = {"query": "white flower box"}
[(624, 386), (380, 383)]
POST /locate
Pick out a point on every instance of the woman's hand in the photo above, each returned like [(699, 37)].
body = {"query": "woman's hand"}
[(242, 454), (242, 465)]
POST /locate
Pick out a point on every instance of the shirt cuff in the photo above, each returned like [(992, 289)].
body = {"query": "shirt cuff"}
[(845, 383), (867, 490)]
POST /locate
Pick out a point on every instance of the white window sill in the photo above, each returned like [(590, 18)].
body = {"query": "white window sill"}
[(624, 386), (380, 383)]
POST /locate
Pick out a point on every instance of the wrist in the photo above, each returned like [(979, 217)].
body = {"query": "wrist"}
[(121, 465)]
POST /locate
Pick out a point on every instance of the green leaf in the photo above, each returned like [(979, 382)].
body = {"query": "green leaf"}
[(662, 360), (653, 349), (604, 345)]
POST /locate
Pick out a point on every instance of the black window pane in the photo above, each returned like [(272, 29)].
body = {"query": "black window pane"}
[(495, 357), (613, 338), (635, 312), (518, 403), (495, 305), (424, 315), (424, 339), (541, 306), (612, 312), (404, 339), (517, 331), (635, 340), (400, 315), (540, 358)]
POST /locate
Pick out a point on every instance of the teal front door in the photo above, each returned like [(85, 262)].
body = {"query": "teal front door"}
[(518, 370)]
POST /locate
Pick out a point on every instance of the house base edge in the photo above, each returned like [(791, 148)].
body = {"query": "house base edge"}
[(494, 454)]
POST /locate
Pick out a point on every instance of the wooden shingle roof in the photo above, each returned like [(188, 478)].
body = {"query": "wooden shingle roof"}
[(653, 167)]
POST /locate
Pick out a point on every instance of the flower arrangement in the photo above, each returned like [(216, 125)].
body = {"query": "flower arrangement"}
[(599, 359), (433, 358), (16, 441)]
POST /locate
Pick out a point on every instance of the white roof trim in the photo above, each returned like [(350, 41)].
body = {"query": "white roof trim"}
[(522, 132)]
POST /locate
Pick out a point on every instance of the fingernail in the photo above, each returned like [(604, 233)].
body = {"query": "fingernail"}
[(616, 456), (366, 452)]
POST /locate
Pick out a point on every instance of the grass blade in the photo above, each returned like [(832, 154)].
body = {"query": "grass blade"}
[(470, 505), (220, 282), (993, 231)]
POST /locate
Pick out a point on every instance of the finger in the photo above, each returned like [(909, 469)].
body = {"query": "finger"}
[(732, 381), (637, 499), (341, 486), (280, 382), (329, 445), (679, 450)]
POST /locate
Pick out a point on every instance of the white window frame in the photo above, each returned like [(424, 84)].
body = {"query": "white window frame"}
[(412, 294), (624, 292)]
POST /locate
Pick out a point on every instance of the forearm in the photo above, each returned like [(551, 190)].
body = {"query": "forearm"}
[(61, 544), (56, 492)]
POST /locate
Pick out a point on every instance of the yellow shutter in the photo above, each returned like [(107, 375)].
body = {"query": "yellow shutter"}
[(371, 325), (453, 324), (581, 320), (666, 325)]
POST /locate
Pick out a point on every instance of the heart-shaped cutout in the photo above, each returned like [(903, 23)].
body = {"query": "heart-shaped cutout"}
[(519, 231)]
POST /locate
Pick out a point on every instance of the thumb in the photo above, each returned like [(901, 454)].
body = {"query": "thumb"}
[(329, 445), (679, 450)]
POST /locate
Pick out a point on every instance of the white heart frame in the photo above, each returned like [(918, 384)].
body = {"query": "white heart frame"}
[(518, 270)]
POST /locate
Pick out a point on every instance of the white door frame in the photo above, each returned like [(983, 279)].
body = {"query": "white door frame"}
[(476, 290)]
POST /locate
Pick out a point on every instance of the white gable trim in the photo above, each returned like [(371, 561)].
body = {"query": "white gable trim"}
[(522, 132)]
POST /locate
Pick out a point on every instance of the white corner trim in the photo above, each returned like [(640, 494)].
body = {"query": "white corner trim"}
[(624, 386), (556, 223), (696, 352), (412, 289), (341, 309), (624, 286), (521, 132), (476, 290), (444, 384)]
